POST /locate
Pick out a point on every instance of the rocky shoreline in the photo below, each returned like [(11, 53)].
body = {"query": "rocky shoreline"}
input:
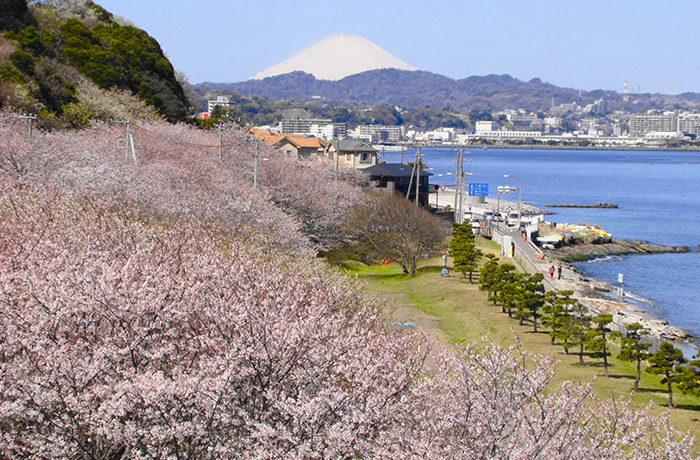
[(580, 251), (598, 296)]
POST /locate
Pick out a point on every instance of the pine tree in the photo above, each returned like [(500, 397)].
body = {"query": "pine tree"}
[(464, 251), (667, 361), (631, 349), (531, 297), (504, 275), (572, 332), (597, 338), (487, 274), (557, 312)]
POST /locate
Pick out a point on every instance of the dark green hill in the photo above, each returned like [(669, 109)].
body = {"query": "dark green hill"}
[(72, 61), (413, 89)]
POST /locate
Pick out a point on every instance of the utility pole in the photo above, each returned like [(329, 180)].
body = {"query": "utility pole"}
[(255, 164), (256, 160), (413, 172), (418, 175), (221, 127), (31, 118), (127, 141), (401, 155), (337, 157), (459, 185)]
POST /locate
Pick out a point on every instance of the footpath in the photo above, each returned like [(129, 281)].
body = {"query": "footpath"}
[(597, 295)]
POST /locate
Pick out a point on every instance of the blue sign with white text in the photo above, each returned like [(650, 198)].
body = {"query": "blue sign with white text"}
[(478, 189)]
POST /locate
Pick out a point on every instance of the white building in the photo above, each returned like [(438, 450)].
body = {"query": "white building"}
[(389, 133), (304, 126), (639, 125), (221, 101), (485, 126), (689, 122), (508, 134)]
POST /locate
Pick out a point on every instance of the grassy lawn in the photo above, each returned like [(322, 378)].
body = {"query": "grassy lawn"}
[(455, 311)]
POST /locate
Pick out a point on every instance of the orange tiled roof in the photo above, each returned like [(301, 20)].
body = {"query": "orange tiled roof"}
[(311, 142), (260, 133), (299, 140)]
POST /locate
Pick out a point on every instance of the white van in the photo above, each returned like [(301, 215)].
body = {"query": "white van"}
[(512, 218)]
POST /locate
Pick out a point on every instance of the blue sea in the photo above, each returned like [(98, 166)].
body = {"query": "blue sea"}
[(658, 193)]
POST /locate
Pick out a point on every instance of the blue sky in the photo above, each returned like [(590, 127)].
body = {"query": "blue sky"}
[(584, 45)]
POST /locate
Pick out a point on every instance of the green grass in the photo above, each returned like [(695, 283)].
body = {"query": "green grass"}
[(455, 311)]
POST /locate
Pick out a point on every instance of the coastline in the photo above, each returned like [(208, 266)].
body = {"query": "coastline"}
[(597, 295)]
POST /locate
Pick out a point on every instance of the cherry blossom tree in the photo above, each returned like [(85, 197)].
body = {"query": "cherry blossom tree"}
[(168, 310), (124, 339)]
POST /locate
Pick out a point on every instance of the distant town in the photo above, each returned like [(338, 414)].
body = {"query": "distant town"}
[(587, 126)]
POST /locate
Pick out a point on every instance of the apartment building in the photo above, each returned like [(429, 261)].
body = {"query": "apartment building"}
[(384, 133), (313, 126), (689, 123), (639, 125)]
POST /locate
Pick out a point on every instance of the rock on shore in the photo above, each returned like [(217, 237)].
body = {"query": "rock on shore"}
[(574, 250)]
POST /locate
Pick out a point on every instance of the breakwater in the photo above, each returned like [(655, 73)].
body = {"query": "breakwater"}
[(596, 205)]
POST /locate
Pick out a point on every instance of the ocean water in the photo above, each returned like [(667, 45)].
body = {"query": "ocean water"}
[(658, 193)]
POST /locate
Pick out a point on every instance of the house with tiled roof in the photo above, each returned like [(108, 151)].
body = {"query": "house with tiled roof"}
[(355, 153), (303, 147)]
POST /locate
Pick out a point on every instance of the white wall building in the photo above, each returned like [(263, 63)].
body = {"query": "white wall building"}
[(689, 122), (485, 126), (221, 101)]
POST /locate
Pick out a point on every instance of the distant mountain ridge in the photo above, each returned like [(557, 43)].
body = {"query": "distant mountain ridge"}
[(411, 89)]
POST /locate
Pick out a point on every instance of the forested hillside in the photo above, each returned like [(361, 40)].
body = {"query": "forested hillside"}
[(72, 61), (414, 89)]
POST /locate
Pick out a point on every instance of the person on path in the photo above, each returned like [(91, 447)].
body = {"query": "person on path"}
[(551, 271), (559, 272)]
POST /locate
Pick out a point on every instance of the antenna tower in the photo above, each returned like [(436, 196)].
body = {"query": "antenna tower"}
[(625, 95)]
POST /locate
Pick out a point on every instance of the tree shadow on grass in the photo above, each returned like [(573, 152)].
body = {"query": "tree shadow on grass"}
[(621, 376), (691, 407), (652, 390)]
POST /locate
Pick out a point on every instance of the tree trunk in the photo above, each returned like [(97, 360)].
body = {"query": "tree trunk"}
[(534, 320), (605, 358), (639, 374), (580, 354), (670, 392)]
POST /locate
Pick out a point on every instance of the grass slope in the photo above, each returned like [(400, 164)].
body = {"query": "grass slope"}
[(455, 311)]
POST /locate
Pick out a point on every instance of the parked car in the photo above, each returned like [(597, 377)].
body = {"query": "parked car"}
[(512, 218)]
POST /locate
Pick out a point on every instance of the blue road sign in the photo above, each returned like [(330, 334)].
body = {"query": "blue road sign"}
[(478, 189)]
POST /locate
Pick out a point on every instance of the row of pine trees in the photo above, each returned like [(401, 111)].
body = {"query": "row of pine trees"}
[(569, 323)]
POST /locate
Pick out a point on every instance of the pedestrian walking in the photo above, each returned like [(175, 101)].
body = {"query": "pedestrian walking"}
[(559, 272), (551, 271)]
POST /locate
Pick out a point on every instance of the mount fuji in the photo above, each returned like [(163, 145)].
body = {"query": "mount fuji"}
[(337, 57)]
